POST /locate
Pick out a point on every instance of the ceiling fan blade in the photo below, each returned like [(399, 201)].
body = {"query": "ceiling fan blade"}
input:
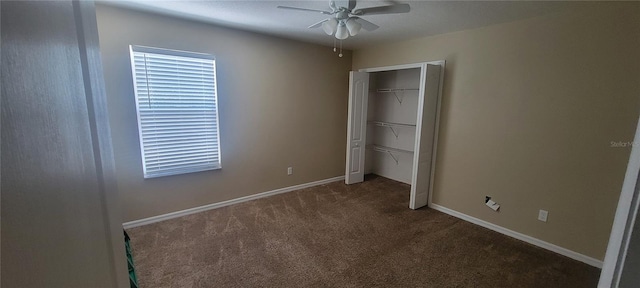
[(352, 4), (318, 24), (366, 25), (391, 9), (305, 9)]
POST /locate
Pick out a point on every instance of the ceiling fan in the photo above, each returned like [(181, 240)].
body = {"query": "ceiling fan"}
[(345, 21)]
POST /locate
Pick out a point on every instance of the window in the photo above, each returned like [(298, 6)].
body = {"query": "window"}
[(177, 105)]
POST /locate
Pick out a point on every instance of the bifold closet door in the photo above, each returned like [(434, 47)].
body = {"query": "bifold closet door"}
[(425, 136), (356, 126)]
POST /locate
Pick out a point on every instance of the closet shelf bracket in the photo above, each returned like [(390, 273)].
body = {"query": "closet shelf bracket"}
[(393, 131), (395, 92), (392, 156), (385, 124), (391, 126), (389, 151), (399, 98)]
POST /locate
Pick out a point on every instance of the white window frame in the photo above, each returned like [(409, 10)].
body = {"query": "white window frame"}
[(193, 55)]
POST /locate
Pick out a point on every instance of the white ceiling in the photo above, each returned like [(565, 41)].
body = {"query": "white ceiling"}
[(426, 17)]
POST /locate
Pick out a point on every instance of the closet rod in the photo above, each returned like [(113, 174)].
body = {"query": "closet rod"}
[(390, 90), (385, 124)]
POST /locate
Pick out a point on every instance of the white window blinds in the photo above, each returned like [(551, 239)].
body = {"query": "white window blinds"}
[(177, 107)]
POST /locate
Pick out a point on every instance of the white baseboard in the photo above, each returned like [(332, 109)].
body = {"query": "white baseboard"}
[(177, 214), (534, 241)]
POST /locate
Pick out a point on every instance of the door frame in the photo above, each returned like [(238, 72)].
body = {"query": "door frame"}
[(624, 221), (423, 70)]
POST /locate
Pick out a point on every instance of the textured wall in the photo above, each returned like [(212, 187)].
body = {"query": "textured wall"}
[(57, 213), (529, 111), (282, 103)]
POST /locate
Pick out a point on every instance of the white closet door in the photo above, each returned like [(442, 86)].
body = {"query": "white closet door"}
[(357, 126), (427, 113)]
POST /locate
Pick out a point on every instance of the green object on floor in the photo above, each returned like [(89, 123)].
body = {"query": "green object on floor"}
[(133, 281)]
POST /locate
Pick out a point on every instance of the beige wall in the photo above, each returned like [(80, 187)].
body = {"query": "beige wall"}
[(529, 110), (282, 103)]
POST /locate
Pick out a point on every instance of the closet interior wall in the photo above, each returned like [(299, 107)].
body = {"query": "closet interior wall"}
[(391, 123)]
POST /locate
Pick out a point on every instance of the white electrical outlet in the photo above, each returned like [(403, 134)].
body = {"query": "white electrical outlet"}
[(542, 215), (289, 170)]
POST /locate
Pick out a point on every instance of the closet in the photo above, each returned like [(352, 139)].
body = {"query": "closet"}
[(392, 125)]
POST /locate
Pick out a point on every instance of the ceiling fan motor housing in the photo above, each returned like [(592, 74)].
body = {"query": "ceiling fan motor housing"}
[(342, 14)]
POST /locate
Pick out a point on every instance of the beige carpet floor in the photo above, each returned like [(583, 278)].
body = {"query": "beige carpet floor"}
[(335, 235)]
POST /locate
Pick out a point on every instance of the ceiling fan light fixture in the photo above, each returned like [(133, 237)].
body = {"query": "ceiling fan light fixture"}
[(353, 26), (345, 20), (341, 32), (329, 26)]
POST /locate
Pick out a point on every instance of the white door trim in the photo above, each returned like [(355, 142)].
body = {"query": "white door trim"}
[(624, 220), (396, 67), (423, 67)]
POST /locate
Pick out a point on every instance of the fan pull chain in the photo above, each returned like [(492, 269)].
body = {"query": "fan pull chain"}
[(334, 45), (340, 55)]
